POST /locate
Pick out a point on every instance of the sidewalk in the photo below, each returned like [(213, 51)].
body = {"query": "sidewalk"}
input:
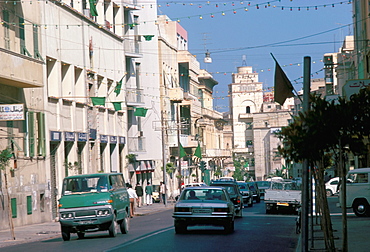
[(357, 233), (49, 230)]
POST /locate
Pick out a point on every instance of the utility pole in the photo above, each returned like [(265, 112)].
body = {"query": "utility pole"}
[(164, 157), (305, 169), (179, 144)]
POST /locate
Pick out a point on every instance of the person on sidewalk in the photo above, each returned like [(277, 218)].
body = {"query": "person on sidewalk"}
[(162, 192), (133, 197), (149, 193), (139, 193)]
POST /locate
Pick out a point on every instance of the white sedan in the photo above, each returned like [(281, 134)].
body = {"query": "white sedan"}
[(208, 205)]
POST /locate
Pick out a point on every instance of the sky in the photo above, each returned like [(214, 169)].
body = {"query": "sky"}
[(239, 33)]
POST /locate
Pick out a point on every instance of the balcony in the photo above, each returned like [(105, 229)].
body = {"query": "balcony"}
[(214, 153), (132, 47), (134, 97), (20, 71), (136, 144), (130, 4), (246, 117), (211, 113), (176, 94)]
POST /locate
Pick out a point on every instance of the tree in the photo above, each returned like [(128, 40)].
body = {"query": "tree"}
[(321, 133), (5, 156)]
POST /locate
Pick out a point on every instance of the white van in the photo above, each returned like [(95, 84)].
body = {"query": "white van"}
[(358, 191)]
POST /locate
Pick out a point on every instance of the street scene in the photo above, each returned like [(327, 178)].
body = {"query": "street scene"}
[(137, 125)]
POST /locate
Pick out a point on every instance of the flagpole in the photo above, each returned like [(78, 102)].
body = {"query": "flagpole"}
[(289, 80)]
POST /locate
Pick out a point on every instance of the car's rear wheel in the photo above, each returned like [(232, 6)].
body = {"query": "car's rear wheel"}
[(328, 192), (258, 200), (229, 227), (113, 227), (180, 227), (66, 234), (81, 235), (361, 208), (124, 225), (239, 213)]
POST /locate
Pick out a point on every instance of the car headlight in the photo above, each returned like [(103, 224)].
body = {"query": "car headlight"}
[(66, 215)]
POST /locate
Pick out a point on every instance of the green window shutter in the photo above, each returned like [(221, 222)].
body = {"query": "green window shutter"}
[(29, 204), (36, 52), (22, 37), (41, 151), (31, 133), (13, 203)]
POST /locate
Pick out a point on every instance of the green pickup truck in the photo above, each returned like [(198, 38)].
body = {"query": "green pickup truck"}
[(94, 202)]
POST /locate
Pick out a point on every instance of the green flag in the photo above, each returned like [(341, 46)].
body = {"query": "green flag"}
[(198, 152), (117, 90), (283, 89), (98, 101), (140, 112), (93, 10), (117, 106), (182, 152)]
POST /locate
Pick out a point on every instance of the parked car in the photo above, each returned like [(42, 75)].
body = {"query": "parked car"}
[(209, 205), (155, 194), (262, 186), (246, 193), (233, 189), (283, 196), (255, 191), (358, 192), (331, 186), (93, 202)]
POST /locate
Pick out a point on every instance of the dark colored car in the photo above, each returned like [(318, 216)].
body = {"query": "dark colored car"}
[(255, 191), (262, 186), (246, 193), (234, 192)]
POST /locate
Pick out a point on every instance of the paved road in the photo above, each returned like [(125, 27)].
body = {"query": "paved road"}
[(256, 231)]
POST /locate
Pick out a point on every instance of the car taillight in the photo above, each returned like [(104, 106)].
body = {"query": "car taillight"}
[(238, 200), (182, 209)]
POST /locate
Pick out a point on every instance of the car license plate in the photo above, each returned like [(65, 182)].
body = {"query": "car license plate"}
[(201, 211), (282, 204), (86, 222)]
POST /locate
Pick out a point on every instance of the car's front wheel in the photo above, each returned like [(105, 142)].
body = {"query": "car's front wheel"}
[(180, 227), (361, 208), (66, 234), (229, 227), (113, 227)]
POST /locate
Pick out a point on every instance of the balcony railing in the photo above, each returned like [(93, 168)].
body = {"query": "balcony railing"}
[(134, 96), (218, 153), (136, 144), (132, 46)]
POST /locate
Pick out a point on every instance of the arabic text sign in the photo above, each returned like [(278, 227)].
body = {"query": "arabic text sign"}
[(11, 112), (354, 86)]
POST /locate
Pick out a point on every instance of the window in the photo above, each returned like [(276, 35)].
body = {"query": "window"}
[(29, 205), (248, 110)]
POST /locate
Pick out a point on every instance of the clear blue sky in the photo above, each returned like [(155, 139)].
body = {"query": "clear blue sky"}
[(289, 29)]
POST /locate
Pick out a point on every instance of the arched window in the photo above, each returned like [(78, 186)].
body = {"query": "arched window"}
[(248, 110)]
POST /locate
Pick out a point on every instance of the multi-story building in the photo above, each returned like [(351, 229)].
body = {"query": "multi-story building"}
[(77, 72), (254, 118)]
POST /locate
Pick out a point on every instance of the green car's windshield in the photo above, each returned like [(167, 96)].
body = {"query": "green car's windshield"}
[(85, 184)]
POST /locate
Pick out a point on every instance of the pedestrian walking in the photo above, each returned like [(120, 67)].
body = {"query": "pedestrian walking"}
[(133, 197), (139, 193), (149, 193), (162, 192)]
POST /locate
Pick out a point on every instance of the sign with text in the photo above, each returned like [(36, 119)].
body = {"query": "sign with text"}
[(11, 112)]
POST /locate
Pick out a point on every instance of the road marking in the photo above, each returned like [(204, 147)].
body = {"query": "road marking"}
[(139, 239)]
